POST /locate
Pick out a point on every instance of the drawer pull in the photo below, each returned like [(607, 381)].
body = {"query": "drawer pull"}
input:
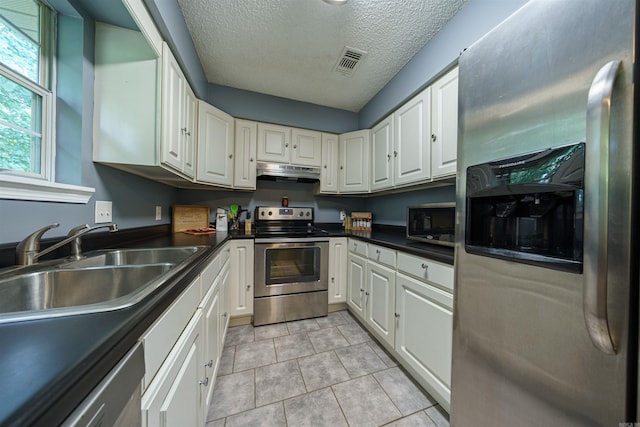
[(209, 364), (425, 266), (248, 287), (397, 315), (205, 382), (378, 251)]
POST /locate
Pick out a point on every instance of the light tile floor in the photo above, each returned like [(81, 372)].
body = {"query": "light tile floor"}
[(317, 372)]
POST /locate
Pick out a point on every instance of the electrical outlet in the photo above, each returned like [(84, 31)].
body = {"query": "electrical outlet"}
[(103, 212), (158, 213), (343, 214)]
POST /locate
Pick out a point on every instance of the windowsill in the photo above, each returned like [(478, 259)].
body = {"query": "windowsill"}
[(21, 188)]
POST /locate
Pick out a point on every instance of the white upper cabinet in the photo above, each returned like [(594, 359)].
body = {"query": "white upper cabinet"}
[(412, 133), (178, 134), (330, 163), (382, 155), (244, 175), (444, 125), (215, 146), (353, 176), (307, 147), (285, 145), (274, 143)]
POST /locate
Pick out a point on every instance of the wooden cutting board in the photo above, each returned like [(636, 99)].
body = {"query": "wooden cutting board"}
[(189, 217)]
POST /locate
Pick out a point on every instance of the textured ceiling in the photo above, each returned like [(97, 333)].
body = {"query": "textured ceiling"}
[(289, 48)]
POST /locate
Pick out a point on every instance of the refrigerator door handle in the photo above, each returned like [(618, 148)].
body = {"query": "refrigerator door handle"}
[(596, 207)]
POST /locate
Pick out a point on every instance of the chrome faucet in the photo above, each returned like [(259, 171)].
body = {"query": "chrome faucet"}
[(28, 250)]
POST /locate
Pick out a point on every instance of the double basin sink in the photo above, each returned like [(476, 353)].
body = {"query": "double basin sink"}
[(101, 281)]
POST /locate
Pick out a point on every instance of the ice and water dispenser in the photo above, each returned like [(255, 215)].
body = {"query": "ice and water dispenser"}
[(529, 208)]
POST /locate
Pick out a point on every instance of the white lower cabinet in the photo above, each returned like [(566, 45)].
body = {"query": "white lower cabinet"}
[(337, 270), (240, 291), (424, 334), (406, 302), (357, 274), (183, 350), (175, 396), (380, 301)]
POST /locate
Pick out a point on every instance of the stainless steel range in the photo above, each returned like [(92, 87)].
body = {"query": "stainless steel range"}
[(291, 269)]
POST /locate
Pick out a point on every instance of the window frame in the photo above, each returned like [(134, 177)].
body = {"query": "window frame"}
[(19, 185)]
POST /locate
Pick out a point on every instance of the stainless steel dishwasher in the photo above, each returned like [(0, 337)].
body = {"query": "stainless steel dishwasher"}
[(116, 400)]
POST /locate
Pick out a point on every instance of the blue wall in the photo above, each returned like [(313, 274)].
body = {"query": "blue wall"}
[(271, 109), (390, 209), (268, 193)]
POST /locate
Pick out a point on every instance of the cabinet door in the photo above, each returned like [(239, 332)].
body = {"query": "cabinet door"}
[(224, 305), (172, 141), (175, 396), (212, 349), (329, 168), (337, 270), (273, 143), (411, 138), (190, 117), (241, 278), (356, 271), (382, 155), (444, 124), (306, 148), (380, 295), (246, 139), (424, 333), (354, 162), (215, 145)]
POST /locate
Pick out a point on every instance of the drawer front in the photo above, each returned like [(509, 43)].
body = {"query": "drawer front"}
[(225, 253), (382, 255), (358, 247), (209, 275), (434, 272), (164, 333)]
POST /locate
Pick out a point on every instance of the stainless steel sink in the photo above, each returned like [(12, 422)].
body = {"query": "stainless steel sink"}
[(173, 255), (104, 281)]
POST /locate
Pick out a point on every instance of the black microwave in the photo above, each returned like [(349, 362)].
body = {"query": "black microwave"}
[(432, 223)]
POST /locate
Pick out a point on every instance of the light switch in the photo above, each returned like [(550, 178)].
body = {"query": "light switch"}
[(103, 212)]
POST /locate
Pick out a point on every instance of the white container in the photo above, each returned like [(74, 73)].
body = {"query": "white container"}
[(221, 220)]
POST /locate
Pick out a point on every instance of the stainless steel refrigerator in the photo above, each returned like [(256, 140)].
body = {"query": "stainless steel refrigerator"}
[(546, 284)]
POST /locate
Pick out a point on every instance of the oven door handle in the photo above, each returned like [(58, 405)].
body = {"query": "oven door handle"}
[(292, 240)]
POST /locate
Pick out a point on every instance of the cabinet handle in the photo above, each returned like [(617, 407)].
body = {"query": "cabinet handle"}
[(397, 315), (248, 287), (366, 293), (341, 167), (295, 146), (188, 133), (205, 382), (251, 159), (286, 145), (361, 290), (333, 279), (425, 266), (225, 314), (378, 251), (183, 130), (388, 157), (395, 154), (230, 156), (325, 166), (209, 364), (433, 137)]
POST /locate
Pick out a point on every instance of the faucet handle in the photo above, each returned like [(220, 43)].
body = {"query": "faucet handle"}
[(32, 241), (30, 245)]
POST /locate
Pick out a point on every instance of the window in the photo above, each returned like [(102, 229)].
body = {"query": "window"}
[(26, 52)]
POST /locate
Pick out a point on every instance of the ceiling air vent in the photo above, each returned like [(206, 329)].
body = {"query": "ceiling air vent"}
[(349, 60)]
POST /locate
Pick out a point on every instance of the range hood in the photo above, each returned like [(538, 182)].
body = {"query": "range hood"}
[(279, 172)]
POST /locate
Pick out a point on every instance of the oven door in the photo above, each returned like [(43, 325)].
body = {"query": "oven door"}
[(290, 265)]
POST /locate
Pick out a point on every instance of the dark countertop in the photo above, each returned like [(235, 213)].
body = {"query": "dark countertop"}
[(48, 366)]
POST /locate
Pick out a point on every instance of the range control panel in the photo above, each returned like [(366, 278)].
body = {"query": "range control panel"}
[(266, 213)]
